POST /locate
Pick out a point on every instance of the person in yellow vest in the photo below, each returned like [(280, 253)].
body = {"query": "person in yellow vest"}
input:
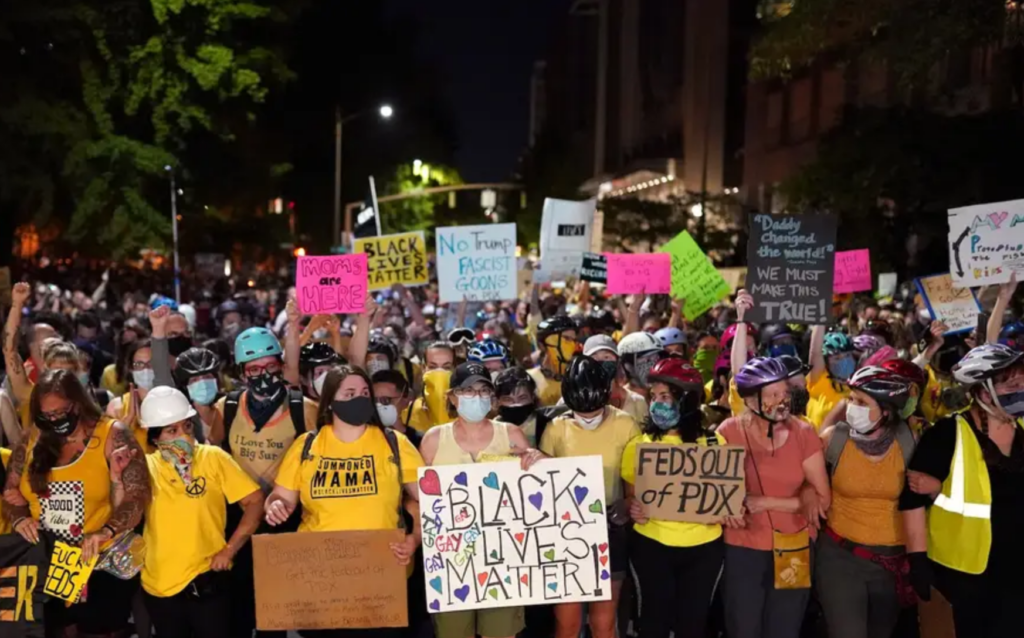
[(556, 340), (60, 480), (677, 565), (833, 362), (968, 471), (185, 579)]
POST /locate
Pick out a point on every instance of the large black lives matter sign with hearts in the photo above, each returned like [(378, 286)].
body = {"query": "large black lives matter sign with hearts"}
[(790, 266)]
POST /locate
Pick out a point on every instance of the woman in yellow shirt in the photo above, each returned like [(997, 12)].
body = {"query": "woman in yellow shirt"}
[(833, 362), (676, 564), (185, 576)]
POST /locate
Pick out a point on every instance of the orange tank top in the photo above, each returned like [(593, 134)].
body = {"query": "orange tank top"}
[(865, 497)]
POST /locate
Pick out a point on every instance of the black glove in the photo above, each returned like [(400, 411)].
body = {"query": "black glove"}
[(921, 574)]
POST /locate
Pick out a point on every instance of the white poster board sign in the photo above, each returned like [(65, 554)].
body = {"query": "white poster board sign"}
[(566, 229), (986, 243), (887, 282), (956, 307), (477, 263), (495, 536)]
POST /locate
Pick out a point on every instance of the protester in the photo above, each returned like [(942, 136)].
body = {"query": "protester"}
[(493, 355), (315, 361), (832, 364), (639, 352), (673, 341), (556, 341), (394, 401)]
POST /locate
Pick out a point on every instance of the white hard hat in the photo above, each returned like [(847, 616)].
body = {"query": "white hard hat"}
[(164, 406), (189, 313)]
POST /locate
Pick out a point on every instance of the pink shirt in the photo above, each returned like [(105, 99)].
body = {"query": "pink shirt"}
[(781, 473)]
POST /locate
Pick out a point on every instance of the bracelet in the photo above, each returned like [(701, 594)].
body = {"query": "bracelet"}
[(15, 524), (108, 527)]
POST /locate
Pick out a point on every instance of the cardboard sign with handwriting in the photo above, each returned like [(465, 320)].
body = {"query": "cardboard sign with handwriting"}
[(986, 243), (690, 483), (630, 274), (67, 574), (395, 259), (694, 277), (956, 307), (328, 580)]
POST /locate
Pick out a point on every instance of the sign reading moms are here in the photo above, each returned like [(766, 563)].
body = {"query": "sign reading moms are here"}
[(477, 263)]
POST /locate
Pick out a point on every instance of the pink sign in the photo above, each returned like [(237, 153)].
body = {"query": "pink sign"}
[(332, 284), (853, 271), (643, 273)]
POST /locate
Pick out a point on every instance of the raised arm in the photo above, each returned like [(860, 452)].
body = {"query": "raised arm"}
[(633, 314), (738, 355), (678, 318), (291, 344), (995, 322), (409, 303), (816, 355), (20, 385), (161, 352)]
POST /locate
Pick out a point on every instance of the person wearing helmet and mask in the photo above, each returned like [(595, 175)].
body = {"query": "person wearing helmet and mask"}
[(315, 361), (866, 345), (673, 341), (969, 471), (196, 374), (603, 349), (593, 427), (431, 410), (783, 454), (943, 396), (776, 340), (460, 339), (638, 352), (230, 320), (556, 340), (381, 354), (193, 484), (394, 400), (833, 362), (705, 355), (737, 346), (799, 396), (861, 554), (518, 404), (491, 354), (677, 565), (919, 381)]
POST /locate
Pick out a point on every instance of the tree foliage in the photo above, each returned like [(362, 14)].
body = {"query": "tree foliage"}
[(422, 212)]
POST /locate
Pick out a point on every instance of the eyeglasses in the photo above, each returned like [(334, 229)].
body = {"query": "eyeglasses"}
[(470, 393), (141, 365), (270, 368), (56, 415)]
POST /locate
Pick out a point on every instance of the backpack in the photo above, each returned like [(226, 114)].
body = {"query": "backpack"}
[(396, 458), (904, 436), (295, 408)]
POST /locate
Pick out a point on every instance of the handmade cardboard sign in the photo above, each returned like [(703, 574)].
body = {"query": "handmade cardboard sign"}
[(477, 263), (956, 307), (691, 483), (395, 259), (331, 284), (694, 277), (67, 574), (328, 580), (496, 536), (986, 243), (791, 260), (630, 274), (887, 282), (853, 271), (594, 269)]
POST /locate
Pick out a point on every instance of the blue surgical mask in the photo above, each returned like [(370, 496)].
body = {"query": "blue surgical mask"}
[(842, 368), (1012, 403), (144, 379), (782, 349), (474, 409), (83, 378), (203, 391), (665, 416)]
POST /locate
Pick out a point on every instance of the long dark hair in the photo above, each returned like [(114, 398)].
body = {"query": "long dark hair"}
[(335, 377), (129, 357), (48, 446), (691, 425), (121, 349)]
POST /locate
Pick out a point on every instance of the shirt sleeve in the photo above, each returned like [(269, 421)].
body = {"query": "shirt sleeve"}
[(628, 465), (289, 475), (411, 459), (932, 456), (810, 442), (549, 440), (309, 412), (233, 479)]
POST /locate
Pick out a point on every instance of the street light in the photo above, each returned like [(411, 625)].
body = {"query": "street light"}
[(385, 111), (174, 232)]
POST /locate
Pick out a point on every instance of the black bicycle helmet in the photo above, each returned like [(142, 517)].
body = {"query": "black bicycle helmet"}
[(772, 331), (553, 326), (511, 378), (316, 354), (195, 362), (793, 364), (380, 344), (587, 387)]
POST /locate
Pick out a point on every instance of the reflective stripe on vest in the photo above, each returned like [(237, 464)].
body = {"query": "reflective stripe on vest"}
[(958, 478)]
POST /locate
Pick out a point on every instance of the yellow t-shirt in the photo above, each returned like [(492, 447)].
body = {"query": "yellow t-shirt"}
[(670, 533), (5, 458), (109, 382), (824, 397), (136, 428), (185, 523), (735, 400), (348, 486), (549, 391), (564, 437)]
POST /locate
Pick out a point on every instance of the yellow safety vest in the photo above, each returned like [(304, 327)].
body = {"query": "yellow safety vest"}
[(960, 521)]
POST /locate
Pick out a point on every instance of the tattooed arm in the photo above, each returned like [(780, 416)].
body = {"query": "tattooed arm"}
[(20, 384), (14, 504), (135, 490)]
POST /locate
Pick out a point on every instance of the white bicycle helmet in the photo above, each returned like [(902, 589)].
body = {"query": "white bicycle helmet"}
[(670, 337), (985, 362), (638, 342)]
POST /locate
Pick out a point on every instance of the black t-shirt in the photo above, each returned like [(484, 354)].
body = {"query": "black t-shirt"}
[(934, 456)]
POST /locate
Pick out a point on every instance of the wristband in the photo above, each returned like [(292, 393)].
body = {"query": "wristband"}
[(109, 528), (15, 524)]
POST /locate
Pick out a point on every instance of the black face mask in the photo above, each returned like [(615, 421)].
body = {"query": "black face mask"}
[(798, 400), (516, 414), (178, 345), (267, 385), (354, 412), (61, 427)]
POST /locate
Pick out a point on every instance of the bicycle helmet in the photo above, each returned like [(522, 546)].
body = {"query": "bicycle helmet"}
[(601, 321), (488, 350), (670, 337), (586, 387), (984, 363), (161, 300), (676, 372), (553, 326), (256, 343), (757, 373), (1012, 334), (380, 344), (907, 370), (316, 354), (227, 308), (638, 344), (772, 331), (878, 328), (793, 364), (195, 362), (836, 343), (867, 342), (882, 386), (730, 333), (511, 378)]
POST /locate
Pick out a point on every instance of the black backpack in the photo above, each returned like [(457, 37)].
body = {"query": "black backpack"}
[(295, 408)]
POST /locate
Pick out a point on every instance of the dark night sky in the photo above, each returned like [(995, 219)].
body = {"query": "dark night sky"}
[(485, 50)]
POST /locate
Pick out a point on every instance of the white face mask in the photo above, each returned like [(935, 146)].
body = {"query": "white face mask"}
[(859, 418), (388, 414), (320, 334), (144, 378), (318, 383), (591, 423), (373, 366)]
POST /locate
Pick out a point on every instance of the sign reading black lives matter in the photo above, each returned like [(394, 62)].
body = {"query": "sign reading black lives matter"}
[(790, 267), (690, 483), (595, 268)]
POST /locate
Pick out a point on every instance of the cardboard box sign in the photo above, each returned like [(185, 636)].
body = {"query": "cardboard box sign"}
[(690, 483)]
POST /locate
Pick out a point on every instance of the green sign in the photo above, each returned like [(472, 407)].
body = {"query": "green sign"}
[(694, 277)]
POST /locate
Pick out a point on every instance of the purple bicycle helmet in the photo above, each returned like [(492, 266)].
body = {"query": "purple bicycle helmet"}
[(759, 372), (868, 343)]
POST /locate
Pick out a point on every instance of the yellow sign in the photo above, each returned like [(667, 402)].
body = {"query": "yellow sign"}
[(395, 259), (67, 575)]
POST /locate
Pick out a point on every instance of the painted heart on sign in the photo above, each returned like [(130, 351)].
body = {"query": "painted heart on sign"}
[(493, 592), (491, 481), (508, 579), (604, 560), (430, 483), (550, 554), (462, 592), (435, 606), (580, 493), (519, 537), (524, 579), (494, 554), (596, 508), (604, 574), (536, 500), (566, 516), (482, 577), (603, 547), (436, 584), (460, 478), (553, 586)]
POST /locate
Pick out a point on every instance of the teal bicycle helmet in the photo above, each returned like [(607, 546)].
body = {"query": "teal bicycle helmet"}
[(836, 343), (256, 343)]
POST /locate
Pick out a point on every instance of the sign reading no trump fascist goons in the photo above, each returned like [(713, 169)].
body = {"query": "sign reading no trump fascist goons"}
[(477, 263)]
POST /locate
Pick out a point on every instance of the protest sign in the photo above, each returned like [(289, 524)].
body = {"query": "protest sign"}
[(853, 271), (790, 261), (496, 536), (887, 282), (565, 234), (331, 284), (395, 259), (694, 277), (595, 268), (22, 569), (690, 483), (735, 277), (986, 243), (67, 574), (328, 580), (639, 273), (956, 307), (477, 263)]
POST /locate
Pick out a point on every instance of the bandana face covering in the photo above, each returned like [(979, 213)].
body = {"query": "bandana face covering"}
[(267, 385), (642, 368), (665, 416), (178, 452), (1012, 403), (704, 361)]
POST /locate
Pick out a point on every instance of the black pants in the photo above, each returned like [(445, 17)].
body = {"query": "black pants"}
[(106, 608), (385, 632), (983, 606), (198, 611), (674, 585)]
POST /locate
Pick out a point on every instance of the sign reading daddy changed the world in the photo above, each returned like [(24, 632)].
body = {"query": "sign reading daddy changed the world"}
[(690, 483), (496, 536)]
